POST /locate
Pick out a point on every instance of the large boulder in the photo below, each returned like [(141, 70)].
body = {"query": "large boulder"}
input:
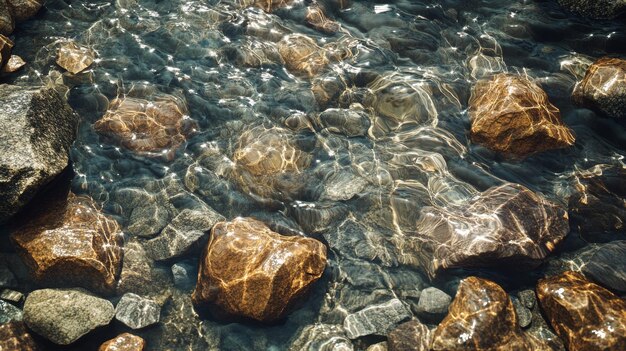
[(595, 8), (585, 315), (249, 271), (71, 243), (511, 115), (63, 316), (508, 225), (15, 337), (38, 128), (124, 342), (603, 88), (482, 317)]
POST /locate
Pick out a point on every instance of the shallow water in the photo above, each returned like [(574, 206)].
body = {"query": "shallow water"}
[(411, 64)]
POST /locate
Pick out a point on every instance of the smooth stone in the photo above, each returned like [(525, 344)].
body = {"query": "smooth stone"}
[(505, 226), (15, 337), (584, 315), (376, 319), (14, 64), (7, 23), (603, 88), (595, 8), (511, 115), (24, 9), (321, 337), (524, 315), (482, 317), (433, 304), (75, 58), (72, 243), (342, 186), (410, 336), (249, 271), (124, 342), (381, 346), (187, 229), (12, 296), (137, 312), (607, 265), (38, 130), (350, 123), (9, 313), (64, 315)]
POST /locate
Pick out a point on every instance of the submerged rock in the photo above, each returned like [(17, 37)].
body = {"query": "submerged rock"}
[(6, 45), (505, 225), (376, 319), (433, 304), (249, 271), (24, 9), (321, 337), (9, 313), (607, 265), (410, 336), (74, 58), (585, 315), (316, 17), (482, 317), (72, 244), (137, 312), (38, 128), (343, 121), (595, 8), (603, 88), (15, 337), (124, 342), (63, 316), (7, 24), (511, 114), (302, 55), (14, 64)]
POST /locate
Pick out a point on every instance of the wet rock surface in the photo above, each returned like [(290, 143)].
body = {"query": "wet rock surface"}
[(433, 304), (603, 88), (7, 23), (326, 337), (607, 265), (15, 337), (585, 315), (72, 243), (249, 271), (376, 319), (24, 9), (410, 336), (75, 58), (9, 313), (124, 342), (137, 312), (595, 9), (512, 115), (38, 129), (6, 46), (63, 316)]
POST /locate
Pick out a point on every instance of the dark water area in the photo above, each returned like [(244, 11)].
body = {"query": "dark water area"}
[(408, 66)]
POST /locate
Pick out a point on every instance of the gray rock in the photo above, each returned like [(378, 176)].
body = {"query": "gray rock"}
[(433, 304), (376, 319), (381, 346), (138, 274), (527, 298), (189, 227), (7, 24), (147, 220), (524, 315), (184, 275), (38, 127), (321, 337), (595, 8), (7, 279), (607, 265), (342, 186), (9, 313), (137, 312), (11, 295), (64, 315), (348, 122)]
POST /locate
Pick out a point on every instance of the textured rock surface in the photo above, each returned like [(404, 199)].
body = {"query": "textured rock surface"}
[(15, 337), (376, 319), (410, 336), (9, 313), (124, 342), (512, 115), (14, 64), (6, 45), (147, 126), (321, 337), (302, 55), (63, 316), (7, 24), (74, 58), (433, 304), (482, 317), (595, 8), (24, 9), (38, 129), (72, 244), (607, 265), (137, 312), (585, 315), (316, 17), (604, 87), (344, 121), (507, 224), (249, 271)]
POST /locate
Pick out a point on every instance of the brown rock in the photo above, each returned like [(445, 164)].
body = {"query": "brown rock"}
[(302, 55), (410, 336), (124, 342), (512, 115), (24, 9), (7, 24), (505, 225), (249, 271), (603, 88), (14, 337), (6, 45), (147, 126), (268, 5), (316, 17), (14, 64), (72, 244), (74, 58), (585, 315), (482, 317)]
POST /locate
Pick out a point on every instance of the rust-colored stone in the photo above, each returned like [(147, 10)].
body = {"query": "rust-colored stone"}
[(482, 317), (316, 17), (72, 244), (249, 271), (302, 55), (124, 342), (147, 126), (24, 9), (74, 58), (410, 336), (15, 337), (604, 87), (511, 114), (585, 315)]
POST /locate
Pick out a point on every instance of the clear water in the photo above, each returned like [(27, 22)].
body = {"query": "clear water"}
[(359, 194)]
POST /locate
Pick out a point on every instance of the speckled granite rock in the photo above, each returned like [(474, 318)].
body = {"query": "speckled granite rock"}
[(249, 271), (7, 23), (124, 342), (137, 312), (15, 337), (603, 88), (595, 8), (75, 58), (410, 336), (482, 317), (507, 224), (24, 9), (63, 316), (376, 319), (433, 304), (38, 128), (511, 115), (72, 244), (321, 337), (9, 312), (585, 315)]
